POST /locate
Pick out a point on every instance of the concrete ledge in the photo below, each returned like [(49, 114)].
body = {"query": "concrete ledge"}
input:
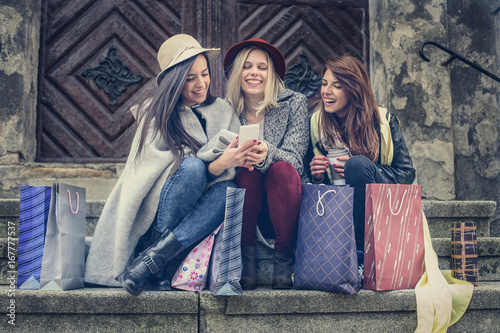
[(102, 301), (264, 310), (261, 310), (394, 311), (467, 209)]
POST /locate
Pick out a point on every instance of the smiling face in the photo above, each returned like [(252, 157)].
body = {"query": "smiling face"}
[(197, 82), (335, 98), (254, 74)]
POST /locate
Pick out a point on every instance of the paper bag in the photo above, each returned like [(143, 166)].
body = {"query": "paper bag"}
[(63, 263), (394, 238), (326, 246)]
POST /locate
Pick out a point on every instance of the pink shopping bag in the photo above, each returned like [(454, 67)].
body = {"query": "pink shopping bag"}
[(394, 238), (192, 273)]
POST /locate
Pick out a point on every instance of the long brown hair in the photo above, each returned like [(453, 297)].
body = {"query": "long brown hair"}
[(163, 113), (359, 129)]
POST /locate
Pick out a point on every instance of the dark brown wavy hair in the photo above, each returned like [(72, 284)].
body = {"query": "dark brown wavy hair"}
[(163, 113), (360, 128)]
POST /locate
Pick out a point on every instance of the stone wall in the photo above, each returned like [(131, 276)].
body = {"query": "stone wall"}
[(19, 45), (474, 32), (417, 91), (450, 114)]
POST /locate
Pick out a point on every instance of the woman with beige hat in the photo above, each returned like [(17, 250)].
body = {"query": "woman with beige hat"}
[(255, 70), (182, 159)]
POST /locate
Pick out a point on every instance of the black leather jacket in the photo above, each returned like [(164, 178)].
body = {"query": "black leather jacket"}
[(401, 170)]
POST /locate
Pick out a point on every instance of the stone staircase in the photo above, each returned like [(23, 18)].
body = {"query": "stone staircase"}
[(262, 310)]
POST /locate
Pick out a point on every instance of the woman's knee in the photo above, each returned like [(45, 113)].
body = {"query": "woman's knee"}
[(359, 169), (195, 168), (283, 175), (283, 171)]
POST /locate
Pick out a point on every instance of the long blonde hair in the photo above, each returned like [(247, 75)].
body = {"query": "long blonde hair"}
[(234, 94)]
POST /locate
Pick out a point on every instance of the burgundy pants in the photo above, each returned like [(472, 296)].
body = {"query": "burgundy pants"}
[(280, 189)]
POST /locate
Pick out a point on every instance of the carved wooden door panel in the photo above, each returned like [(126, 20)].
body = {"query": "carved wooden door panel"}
[(306, 32), (98, 59)]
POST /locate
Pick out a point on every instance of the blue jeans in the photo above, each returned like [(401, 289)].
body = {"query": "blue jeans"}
[(185, 208), (359, 171)]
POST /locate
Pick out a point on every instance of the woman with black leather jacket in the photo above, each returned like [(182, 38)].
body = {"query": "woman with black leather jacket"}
[(351, 120)]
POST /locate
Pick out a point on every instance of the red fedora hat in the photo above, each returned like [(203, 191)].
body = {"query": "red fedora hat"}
[(276, 55)]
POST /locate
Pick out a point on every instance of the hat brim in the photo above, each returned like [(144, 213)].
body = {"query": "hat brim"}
[(276, 55), (187, 54)]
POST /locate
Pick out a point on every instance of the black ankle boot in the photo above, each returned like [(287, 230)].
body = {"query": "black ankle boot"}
[(150, 261), (159, 282), (249, 275), (284, 264)]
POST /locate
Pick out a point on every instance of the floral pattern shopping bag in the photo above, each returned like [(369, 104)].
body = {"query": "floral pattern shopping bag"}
[(192, 273)]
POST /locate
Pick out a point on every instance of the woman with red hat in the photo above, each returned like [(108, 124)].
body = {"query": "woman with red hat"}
[(255, 70), (175, 179)]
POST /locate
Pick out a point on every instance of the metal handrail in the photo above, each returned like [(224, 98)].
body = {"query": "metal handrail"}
[(453, 57)]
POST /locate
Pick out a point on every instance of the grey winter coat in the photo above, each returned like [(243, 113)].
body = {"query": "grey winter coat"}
[(132, 205), (286, 131)]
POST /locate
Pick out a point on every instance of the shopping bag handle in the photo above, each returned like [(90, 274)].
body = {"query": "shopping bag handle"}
[(77, 202), (319, 203), (390, 200)]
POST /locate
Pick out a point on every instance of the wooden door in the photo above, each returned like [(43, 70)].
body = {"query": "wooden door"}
[(98, 58)]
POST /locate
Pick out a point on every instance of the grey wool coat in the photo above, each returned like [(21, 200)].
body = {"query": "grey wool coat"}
[(286, 131), (132, 205)]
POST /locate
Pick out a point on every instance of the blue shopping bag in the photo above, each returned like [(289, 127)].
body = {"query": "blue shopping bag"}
[(326, 247), (33, 215)]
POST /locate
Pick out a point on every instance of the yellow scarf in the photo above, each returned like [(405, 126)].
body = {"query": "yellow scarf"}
[(441, 299)]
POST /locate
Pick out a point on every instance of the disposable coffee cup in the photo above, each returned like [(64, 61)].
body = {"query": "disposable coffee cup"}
[(332, 156)]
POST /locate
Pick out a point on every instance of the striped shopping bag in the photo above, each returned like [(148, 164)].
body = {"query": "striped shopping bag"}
[(394, 237), (33, 215), (225, 265)]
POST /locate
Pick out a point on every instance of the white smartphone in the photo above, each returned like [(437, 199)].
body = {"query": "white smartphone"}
[(248, 132)]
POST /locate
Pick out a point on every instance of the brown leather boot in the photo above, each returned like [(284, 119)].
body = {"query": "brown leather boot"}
[(284, 264), (249, 275)]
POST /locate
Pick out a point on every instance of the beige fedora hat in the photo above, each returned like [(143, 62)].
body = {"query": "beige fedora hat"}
[(179, 48)]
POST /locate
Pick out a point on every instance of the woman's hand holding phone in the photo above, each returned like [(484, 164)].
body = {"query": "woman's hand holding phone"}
[(232, 157)]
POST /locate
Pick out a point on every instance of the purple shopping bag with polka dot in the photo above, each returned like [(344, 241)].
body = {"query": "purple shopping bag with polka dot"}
[(192, 273)]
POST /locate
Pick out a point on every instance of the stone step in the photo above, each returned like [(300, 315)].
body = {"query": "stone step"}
[(488, 259), (260, 310), (439, 214)]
